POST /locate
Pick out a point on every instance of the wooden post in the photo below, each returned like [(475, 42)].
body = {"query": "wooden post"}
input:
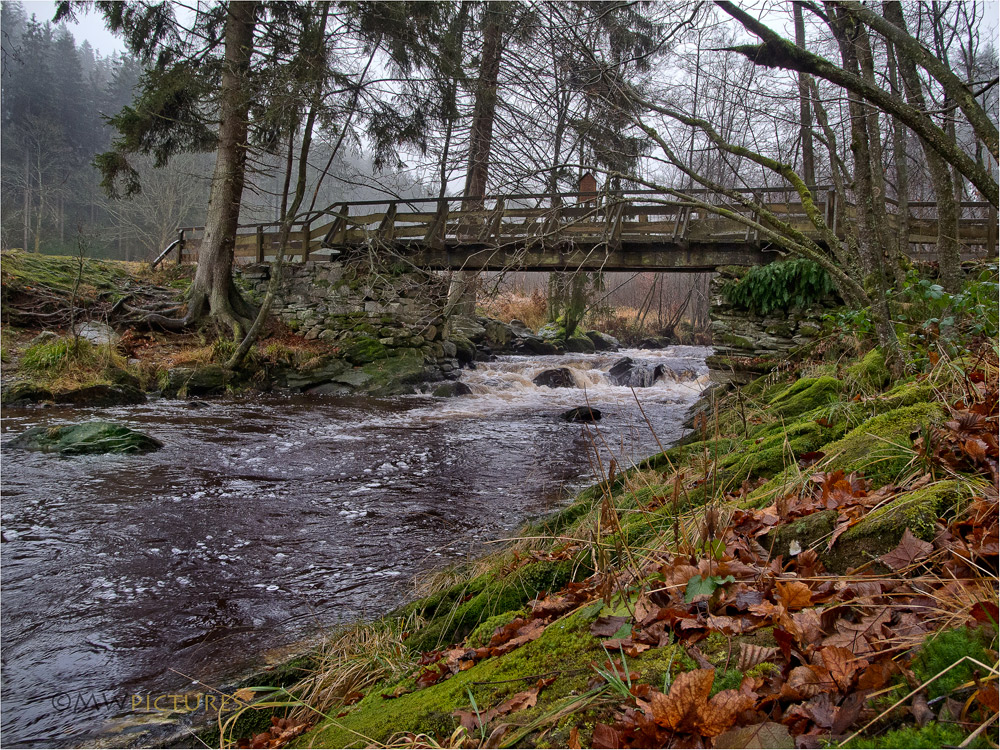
[(991, 233), (687, 220), (260, 243), (496, 226), (388, 225), (438, 227), (832, 210), (306, 239), (338, 229), (180, 247)]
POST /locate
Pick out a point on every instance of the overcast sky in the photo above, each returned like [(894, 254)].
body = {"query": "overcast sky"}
[(89, 26)]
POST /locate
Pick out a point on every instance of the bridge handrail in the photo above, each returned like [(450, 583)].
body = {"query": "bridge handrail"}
[(333, 209)]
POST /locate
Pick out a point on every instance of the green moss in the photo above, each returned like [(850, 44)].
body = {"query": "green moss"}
[(905, 394), (870, 372), (452, 619), (60, 272), (364, 350), (776, 447), (484, 630), (932, 735), (947, 648), (881, 447), (805, 395), (917, 510), (564, 650)]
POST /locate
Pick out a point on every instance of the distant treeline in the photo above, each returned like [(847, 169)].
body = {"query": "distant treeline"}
[(54, 96)]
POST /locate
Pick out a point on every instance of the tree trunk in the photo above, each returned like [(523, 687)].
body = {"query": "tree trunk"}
[(894, 265), (805, 112), (948, 251), (899, 157), (865, 192), (213, 291), (27, 198), (462, 294)]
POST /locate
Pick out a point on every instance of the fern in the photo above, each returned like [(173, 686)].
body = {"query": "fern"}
[(778, 286)]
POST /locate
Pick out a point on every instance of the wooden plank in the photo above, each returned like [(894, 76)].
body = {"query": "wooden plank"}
[(385, 229)]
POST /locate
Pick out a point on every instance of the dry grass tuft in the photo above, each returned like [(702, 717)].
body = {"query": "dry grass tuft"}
[(507, 306), (351, 662)]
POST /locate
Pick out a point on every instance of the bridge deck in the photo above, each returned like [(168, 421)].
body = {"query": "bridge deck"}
[(633, 231)]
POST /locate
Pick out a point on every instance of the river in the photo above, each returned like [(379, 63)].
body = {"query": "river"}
[(265, 520)]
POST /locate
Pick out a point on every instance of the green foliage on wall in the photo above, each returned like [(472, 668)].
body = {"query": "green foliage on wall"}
[(778, 286)]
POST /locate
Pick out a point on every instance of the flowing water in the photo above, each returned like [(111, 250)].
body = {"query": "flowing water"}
[(263, 521)]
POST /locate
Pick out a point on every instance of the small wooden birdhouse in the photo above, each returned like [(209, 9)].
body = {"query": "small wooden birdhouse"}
[(588, 188)]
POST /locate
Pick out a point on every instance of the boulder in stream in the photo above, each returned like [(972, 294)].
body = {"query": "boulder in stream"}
[(626, 371), (581, 414), (452, 388), (88, 437), (102, 395), (603, 342), (557, 377)]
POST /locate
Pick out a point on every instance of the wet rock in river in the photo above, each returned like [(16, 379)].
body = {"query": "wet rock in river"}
[(451, 389), (580, 344), (102, 395), (603, 342), (557, 377), (89, 437), (22, 392), (627, 371), (201, 381), (581, 414)]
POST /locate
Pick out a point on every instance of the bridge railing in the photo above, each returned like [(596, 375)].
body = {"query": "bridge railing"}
[(631, 219)]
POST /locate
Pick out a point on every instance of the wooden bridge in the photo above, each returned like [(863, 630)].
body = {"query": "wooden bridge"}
[(631, 231)]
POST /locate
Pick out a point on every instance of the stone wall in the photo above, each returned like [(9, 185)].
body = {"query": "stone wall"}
[(746, 344), (326, 299), (386, 325)]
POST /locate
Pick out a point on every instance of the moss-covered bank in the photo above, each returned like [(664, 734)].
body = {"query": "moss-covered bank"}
[(762, 446)]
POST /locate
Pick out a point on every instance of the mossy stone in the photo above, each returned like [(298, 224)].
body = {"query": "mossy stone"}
[(395, 375), (881, 448), (365, 349), (23, 392), (870, 372), (201, 381), (89, 437), (917, 511), (805, 395), (807, 531), (451, 619), (580, 344)]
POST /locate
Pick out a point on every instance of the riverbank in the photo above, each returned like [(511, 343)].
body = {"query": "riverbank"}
[(801, 567), (74, 335)]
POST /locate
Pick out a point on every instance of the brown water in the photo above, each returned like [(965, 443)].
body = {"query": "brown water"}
[(263, 521)]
